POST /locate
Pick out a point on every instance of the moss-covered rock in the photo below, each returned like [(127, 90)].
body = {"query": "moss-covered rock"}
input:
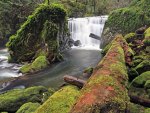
[(25, 68), (147, 84), (12, 100), (126, 20), (141, 79), (143, 66), (61, 101), (29, 38), (39, 63), (132, 73), (28, 108)]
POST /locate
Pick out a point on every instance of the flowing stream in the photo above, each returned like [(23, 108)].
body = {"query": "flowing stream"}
[(76, 60)]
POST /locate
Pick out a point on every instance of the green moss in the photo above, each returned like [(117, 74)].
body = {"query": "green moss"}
[(28, 40), (28, 108), (135, 108), (147, 110), (88, 70), (61, 101), (25, 68), (106, 48), (141, 79), (130, 37), (12, 100), (143, 66), (39, 63), (147, 49), (146, 40), (147, 84)]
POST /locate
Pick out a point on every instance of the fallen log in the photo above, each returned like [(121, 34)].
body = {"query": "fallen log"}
[(74, 81), (105, 91), (80, 83), (94, 36)]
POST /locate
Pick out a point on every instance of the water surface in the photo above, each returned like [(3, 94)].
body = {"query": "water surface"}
[(75, 61)]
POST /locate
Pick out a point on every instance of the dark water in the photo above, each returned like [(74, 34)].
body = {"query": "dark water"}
[(75, 62)]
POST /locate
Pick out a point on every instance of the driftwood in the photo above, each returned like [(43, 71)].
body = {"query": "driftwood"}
[(94, 36), (74, 81), (139, 100)]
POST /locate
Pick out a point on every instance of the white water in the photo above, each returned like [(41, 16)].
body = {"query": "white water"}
[(80, 29), (7, 70)]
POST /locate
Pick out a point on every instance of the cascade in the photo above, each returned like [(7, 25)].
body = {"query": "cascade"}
[(80, 29)]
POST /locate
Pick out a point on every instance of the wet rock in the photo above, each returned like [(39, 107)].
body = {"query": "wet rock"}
[(77, 43)]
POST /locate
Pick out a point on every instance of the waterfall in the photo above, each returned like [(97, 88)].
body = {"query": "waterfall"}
[(80, 29)]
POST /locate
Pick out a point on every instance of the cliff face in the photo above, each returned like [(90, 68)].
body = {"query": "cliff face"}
[(127, 19)]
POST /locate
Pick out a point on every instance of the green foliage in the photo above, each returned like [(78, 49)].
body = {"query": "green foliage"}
[(13, 13), (28, 108), (27, 41), (61, 101), (12, 100), (141, 79)]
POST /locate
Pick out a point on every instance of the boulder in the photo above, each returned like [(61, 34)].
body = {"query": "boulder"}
[(39, 63), (143, 66), (12, 100), (77, 43), (140, 80)]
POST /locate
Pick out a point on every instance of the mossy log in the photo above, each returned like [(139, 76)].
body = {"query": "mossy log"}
[(106, 91), (74, 81), (94, 36)]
